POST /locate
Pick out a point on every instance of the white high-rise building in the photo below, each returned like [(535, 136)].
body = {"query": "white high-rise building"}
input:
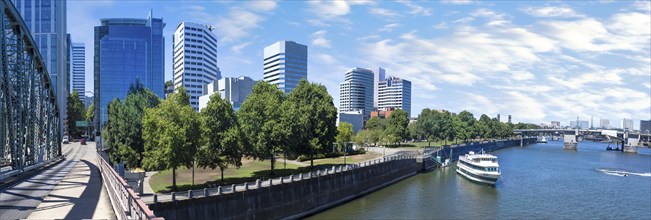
[(394, 92), (78, 66), (604, 123), (627, 124), (235, 90), (378, 75), (356, 92), (285, 64), (195, 59)]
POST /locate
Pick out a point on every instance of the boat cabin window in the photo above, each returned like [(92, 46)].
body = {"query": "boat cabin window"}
[(491, 169)]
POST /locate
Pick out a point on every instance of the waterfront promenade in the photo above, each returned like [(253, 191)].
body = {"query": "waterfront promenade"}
[(71, 189)]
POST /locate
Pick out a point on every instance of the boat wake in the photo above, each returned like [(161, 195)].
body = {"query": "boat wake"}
[(622, 172)]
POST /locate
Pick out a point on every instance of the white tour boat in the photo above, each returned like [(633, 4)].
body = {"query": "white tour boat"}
[(481, 168)]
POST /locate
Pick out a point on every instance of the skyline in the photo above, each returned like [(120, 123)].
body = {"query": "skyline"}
[(537, 61)]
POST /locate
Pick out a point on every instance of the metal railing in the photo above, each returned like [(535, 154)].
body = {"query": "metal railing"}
[(258, 184), (126, 202)]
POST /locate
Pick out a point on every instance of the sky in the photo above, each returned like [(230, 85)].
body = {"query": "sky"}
[(537, 61)]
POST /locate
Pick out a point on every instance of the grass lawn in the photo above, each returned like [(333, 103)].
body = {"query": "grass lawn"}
[(248, 172), (349, 159)]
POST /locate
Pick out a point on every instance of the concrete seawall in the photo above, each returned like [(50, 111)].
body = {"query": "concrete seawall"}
[(294, 199), (311, 193)]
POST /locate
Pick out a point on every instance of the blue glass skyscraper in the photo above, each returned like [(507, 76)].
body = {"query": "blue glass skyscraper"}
[(126, 50)]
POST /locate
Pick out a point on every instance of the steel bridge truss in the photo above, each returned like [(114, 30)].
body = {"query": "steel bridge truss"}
[(29, 118)]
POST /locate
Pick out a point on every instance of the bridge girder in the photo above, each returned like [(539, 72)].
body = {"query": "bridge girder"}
[(29, 132)]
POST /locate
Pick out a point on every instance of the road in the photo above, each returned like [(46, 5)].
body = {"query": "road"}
[(70, 189)]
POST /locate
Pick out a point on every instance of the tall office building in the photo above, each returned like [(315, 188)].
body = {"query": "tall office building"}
[(127, 50), (509, 121), (195, 59), (46, 20), (235, 90), (378, 75), (645, 126), (356, 92), (78, 68), (580, 124), (627, 124), (285, 64), (394, 92), (604, 123)]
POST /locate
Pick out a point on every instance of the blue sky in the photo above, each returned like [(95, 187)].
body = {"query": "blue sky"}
[(538, 61)]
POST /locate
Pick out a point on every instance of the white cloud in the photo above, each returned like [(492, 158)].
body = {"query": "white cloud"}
[(441, 25), (239, 47), (457, 2), (551, 11), (383, 12), (624, 31), (329, 9), (319, 39), (262, 5), (389, 27), (417, 9), (237, 25)]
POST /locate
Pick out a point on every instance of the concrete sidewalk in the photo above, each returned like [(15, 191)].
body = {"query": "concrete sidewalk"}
[(80, 195)]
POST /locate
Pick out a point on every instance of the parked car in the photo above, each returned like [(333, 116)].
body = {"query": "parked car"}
[(82, 141), (65, 139)]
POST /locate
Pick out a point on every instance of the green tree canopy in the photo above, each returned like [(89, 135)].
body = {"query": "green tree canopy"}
[(76, 112), (171, 132), (344, 134), (310, 119), (221, 136), (260, 118)]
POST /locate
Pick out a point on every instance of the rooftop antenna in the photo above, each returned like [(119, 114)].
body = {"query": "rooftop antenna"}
[(210, 27)]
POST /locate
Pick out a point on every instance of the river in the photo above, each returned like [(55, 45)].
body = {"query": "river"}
[(537, 181)]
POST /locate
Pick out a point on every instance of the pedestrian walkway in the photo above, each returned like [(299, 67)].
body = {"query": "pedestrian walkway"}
[(71, 189)]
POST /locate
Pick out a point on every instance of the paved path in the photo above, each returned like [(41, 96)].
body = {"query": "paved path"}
[(70, 189)]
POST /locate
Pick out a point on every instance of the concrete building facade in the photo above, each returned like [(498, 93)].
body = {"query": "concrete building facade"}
[(355, 118), (78, 68), (195, 59), (604, 123), (627, 124), (378, 75), (356, 92), (285, 64), (235, 90), (645, 126), (394, 92)]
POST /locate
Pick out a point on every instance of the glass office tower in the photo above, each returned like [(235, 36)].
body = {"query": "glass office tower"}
[(46, 20), (127, 50)]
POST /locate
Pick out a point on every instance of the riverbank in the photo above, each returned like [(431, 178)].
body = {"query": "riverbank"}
[(302, 195)]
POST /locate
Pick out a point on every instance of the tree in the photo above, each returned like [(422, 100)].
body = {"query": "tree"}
[(397, 126), (90, 115), (465, 127), (260, 118), (482, 126), (361, 138), (446, 126), (171, 132), (375, 123), (220, 134), (125, 125), (310, 119), (427, 125), (344, 134), (75, 113)]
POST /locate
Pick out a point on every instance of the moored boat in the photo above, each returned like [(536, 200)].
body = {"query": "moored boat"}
[(481, 168)]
